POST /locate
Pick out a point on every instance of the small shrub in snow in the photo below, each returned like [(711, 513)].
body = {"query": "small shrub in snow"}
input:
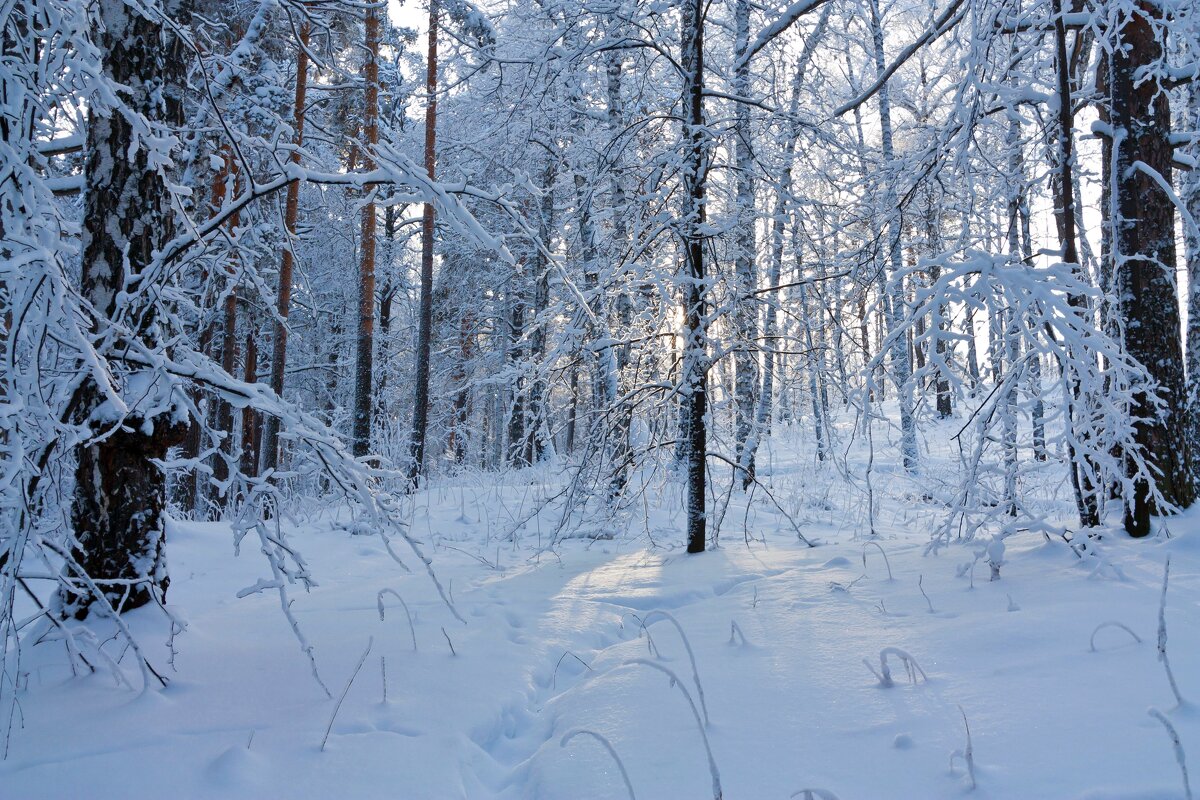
[(911, 667), (967, 754)]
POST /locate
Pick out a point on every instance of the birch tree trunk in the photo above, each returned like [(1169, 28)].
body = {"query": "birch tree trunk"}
[(745, 273), (893, 305), (694, 380)]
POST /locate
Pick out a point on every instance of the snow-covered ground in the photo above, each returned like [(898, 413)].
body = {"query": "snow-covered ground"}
[(554, 642)]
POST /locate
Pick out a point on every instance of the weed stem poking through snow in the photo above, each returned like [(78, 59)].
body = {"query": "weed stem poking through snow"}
[(675, 681), (920, 580), (1162, 634), (1103, 625), (571, 734), (338, 706), (886, 563), (687, 646), (554, 676), (379, 603), (1178, 747), (967, 755)]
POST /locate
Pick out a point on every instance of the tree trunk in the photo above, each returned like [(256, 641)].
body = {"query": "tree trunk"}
[(416, 454), (1062, 187), (745, 311), (364, 367), (1142, 218), (893, 305), (118, 504), (251, 429), (224, 417), (1191, 238), (539, 401), (694, 380), (283, 296)]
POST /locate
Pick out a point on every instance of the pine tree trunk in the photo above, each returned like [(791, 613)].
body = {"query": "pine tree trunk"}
[(364, 360), (1142, 217), (251, 430), (416, 454), (1191, 238), (283, 297), (117, 511), (224, 417)]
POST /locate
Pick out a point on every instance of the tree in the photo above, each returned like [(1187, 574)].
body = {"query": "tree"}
[(283, 295), (364, 389), (117, 512), (1141, 217), (425, 313), (694, 379)]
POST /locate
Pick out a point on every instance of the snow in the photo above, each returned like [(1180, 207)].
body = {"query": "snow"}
[(779, 631)]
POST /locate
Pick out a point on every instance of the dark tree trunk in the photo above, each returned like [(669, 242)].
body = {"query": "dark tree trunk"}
[(518, 454), (1142, 218), (694, 380), (251, 430), (118, 505), (416, 453), (1062, 187), (224, 415)]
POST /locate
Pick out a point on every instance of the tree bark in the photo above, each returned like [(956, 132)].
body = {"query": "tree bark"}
[(283, 297), (694, 380), (364, 361), (1062, 187), (893, 301), (416, 453), (1142, 218), (745, 310), (117, 511)]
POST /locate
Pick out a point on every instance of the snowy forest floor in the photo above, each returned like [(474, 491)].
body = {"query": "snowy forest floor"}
[(550, 646)]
